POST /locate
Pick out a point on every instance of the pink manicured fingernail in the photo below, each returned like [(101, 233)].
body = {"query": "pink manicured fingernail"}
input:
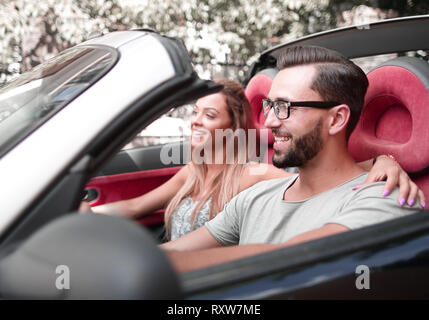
[(411, 202), (386, 192), (402, 202), (424, 204), (355, 187)]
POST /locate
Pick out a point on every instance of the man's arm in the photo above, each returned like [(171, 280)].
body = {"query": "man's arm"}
[(184, 261), (196, 240)]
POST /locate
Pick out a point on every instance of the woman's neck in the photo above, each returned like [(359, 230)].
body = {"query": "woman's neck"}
[(214, 169)]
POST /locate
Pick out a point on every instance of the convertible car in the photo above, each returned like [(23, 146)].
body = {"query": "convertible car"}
[(62, 128)]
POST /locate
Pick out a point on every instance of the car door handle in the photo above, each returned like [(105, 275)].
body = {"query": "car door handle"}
[(90, 195)]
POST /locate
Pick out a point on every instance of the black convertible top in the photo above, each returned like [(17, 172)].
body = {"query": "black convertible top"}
[(387, 36)]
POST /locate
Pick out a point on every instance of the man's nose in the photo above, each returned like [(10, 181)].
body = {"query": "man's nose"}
[(272, 121)]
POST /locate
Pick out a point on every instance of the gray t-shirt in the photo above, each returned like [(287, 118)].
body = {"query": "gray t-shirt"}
[(260, 215)]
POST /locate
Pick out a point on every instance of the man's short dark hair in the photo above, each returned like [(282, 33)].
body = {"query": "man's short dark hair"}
[(338, 79)]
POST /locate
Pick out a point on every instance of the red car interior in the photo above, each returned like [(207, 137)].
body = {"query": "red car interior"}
[(394, 119), (129, 185), (256, 90)]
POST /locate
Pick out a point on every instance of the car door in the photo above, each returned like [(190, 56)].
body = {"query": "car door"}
[(75, 143), (389, 260)]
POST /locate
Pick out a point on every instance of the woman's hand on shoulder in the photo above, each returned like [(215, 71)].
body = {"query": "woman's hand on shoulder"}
[(388, 169)]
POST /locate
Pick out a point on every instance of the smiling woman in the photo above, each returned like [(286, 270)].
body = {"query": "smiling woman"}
[(209, 113), (212, 183)]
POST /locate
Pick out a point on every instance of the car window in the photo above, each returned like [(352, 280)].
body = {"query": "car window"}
[(35, 96), (369, 63), (171, 127)]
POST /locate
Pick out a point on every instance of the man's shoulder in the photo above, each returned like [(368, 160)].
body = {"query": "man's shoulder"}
[(267, 186), (372, 190), (372, 197)]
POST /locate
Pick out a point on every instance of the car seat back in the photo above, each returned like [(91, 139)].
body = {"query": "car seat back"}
[(256, 90), (395, 116)]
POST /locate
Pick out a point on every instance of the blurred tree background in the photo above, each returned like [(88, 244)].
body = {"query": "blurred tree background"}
[(223, 36)]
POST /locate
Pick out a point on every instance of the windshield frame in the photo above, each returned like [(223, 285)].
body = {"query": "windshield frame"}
[(12, 142)]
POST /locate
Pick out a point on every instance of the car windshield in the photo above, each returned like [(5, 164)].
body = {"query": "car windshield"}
[(31, 99)]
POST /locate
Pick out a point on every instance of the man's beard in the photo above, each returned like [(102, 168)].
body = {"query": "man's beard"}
[(303, 149)]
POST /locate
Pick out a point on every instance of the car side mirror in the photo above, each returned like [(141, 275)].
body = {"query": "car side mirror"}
[(88, 256)]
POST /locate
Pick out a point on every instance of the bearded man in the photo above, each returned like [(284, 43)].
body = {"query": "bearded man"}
[(313, 106)]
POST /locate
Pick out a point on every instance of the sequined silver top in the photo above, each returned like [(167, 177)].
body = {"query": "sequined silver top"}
[(181, 217)]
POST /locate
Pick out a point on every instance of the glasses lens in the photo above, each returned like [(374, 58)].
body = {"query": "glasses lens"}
[(266, 106), (281, 110)]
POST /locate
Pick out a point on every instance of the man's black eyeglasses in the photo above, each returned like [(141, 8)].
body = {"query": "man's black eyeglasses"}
[(282, 107)]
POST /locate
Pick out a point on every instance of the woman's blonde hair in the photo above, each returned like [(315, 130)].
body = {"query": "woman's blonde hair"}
[(225, 184)]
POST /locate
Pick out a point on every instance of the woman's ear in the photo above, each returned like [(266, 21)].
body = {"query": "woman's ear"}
[(339, 117)]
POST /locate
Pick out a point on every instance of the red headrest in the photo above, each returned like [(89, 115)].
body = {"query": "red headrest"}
[(257, 89), (394, 118)]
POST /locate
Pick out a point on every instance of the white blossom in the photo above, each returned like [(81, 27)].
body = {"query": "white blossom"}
[(214, 31)]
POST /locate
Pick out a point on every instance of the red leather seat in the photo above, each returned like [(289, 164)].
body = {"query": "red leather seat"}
[(395, 117), (256, 90)]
